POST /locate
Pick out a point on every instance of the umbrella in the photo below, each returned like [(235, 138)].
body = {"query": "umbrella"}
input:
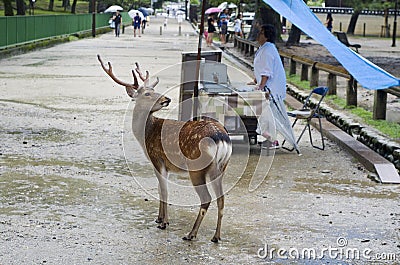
[(150, 10), (282, 122), (113, 9), (213, 10), (144, 11), (223, 5), (132, 13)]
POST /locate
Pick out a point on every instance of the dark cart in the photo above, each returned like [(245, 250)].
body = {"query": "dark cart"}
[(238, 111)]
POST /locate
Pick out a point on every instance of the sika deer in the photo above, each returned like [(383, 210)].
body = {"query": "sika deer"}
[(202, 148)]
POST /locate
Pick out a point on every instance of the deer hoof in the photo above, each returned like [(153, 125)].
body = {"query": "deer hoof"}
[(159, 220), (188, 238), (163, 225), (215, 239)]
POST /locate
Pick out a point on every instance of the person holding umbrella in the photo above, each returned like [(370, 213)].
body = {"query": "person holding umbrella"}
[(210, 29), (270, 77), (117, 18)]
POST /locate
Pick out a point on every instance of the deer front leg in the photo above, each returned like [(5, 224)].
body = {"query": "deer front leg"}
[(205, 199), (162, 218)]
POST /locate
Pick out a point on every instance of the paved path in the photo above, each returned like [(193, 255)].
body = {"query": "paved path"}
[(68, 196)]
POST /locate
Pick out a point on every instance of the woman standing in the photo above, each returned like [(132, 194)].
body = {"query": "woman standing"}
[(329, 22), (211, 29), (238, 26), (270, 76)]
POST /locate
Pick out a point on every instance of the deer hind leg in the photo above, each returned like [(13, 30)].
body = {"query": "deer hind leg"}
[(162, 218), (217, 187), (200, 187)]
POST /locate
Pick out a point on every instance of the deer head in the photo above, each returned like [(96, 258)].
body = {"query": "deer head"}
[(144, 94)]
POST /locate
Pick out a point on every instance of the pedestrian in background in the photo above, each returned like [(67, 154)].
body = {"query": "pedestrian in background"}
[(238, 26), (210, 29), (224, 28), (136, 24), (117, 18), (329, 21), (165, 22), (144, 21)]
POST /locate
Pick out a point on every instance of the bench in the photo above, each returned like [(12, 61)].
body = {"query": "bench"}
[(342, 37)]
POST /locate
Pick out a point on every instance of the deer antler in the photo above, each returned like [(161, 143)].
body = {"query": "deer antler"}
[(130, 88), (145, 79)]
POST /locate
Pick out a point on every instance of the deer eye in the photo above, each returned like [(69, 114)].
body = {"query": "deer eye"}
[(147, 94)]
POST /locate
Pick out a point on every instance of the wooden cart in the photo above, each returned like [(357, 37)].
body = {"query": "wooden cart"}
[(238, 111)]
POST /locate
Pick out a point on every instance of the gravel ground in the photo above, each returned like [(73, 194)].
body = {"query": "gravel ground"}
[(71, 177)]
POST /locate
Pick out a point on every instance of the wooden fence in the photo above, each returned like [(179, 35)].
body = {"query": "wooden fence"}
[(333, 72)]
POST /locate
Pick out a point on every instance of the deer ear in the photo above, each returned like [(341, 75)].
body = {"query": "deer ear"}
[(131, 92)]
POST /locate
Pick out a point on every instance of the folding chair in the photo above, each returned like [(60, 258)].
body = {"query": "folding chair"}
[(308, 112)]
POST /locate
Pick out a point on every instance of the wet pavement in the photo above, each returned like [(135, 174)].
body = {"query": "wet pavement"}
[(71, 177)]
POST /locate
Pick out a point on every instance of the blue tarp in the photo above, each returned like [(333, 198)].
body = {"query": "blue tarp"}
[(369, 75)]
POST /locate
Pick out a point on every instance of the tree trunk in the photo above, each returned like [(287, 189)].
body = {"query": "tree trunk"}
[(8, 9), (386, 29), (353, 22), (21, 7), (66, 4), (51, 5), (265, 15), (294, 36), (73, 7)]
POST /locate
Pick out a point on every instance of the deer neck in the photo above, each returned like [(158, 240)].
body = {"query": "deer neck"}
[(142, 122)]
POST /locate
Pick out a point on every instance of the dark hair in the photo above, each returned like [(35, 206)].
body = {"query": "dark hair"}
[(269, 32)]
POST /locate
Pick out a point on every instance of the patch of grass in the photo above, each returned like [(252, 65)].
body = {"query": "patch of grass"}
[(390, 129), (295, 80)]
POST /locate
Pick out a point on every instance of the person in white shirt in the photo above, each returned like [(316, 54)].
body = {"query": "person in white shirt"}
[(238, 26), (269, 73)]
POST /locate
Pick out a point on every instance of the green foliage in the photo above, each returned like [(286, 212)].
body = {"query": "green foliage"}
[(390, 129), (42, 6), (315, 2), (82, 6), (359, 5), (295, 80)]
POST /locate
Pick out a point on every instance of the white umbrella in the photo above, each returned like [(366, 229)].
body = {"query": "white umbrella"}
[(132, 13), (150, 10), (113, 9), (223, 5)]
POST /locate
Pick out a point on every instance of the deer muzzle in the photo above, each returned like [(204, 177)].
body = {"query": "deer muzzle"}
[(165, 101)]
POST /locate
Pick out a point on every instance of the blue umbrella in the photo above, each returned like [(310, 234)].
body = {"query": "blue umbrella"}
[(144, 11)]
